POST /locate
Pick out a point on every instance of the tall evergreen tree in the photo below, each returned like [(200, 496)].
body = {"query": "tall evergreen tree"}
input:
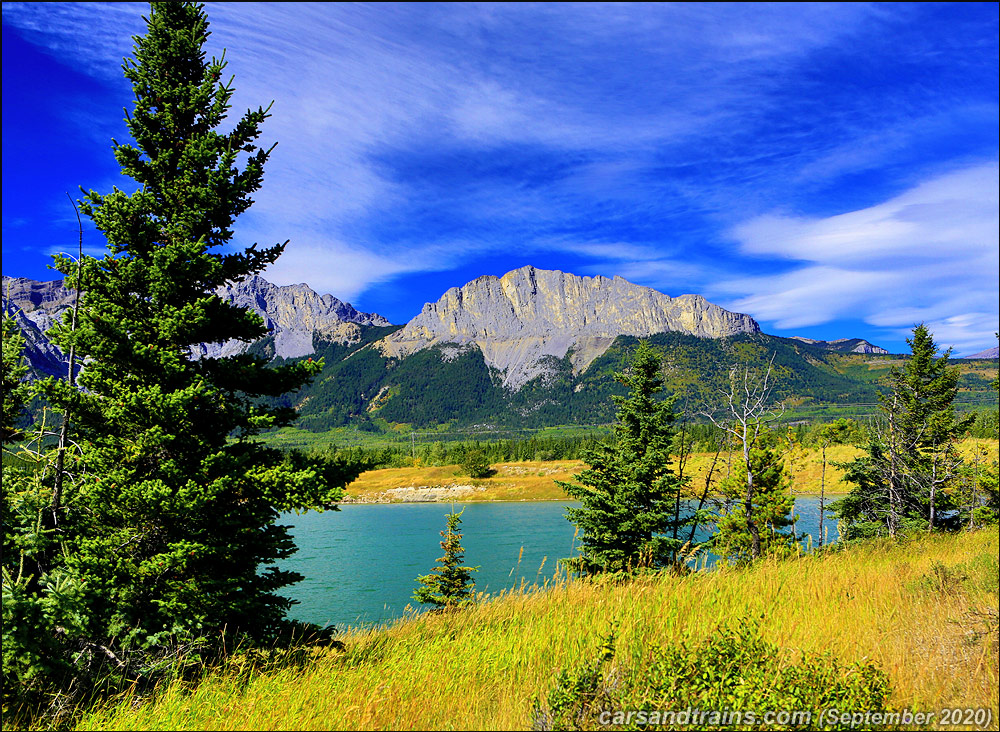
[(15, 390), (911, 452), (168, 531), (629, 491)]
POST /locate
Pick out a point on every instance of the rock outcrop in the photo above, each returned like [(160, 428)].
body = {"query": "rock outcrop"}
[(292, 314), (529, 314), (844, 345)]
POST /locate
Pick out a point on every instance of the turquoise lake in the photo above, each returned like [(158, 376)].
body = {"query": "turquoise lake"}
[(361, 562)]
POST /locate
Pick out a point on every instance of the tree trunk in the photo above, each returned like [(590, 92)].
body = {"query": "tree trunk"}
[(893, 522), (748, 504), (930, 526), (822, 495)]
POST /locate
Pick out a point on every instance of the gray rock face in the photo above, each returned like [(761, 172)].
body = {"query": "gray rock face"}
[(36, 306), (296, 307), (293, 314), (844, 345), (529, 314), (866, 347)]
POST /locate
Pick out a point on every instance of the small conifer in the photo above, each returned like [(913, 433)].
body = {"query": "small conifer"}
[(450, 585)]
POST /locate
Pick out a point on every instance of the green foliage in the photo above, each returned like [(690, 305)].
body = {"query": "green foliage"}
[(15, 391), (980, 574), (450, 585), (435, 386), (578, 693), (911, 456), (986, 425), (477, 464), (631, 511), (160, 536), (730, 680), (841, 431), (771, 510)]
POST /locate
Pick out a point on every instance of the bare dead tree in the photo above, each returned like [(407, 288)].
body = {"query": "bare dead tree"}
[(749, 410)]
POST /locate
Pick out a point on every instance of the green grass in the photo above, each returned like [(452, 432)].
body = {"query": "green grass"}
[(880, 602), (400, 436)]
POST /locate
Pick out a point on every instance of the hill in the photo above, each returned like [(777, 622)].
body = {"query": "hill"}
[(443, 383)]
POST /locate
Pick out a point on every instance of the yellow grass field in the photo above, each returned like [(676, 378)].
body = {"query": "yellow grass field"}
[(535, 481), (924, 611)]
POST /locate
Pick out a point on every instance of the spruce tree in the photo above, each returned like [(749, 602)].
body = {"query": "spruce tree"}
[(15, 390), (629, 490), (168, 531), (911, 452), (450, 585)]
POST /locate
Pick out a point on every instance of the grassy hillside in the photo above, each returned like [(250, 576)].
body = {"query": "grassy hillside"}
[(925, 612), (361, 387)]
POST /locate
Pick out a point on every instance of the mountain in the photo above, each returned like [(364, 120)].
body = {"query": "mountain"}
[(844, 345), (524, 320), (540, 347), (294, 315), (35, 306), (988, 353), (529, 349)]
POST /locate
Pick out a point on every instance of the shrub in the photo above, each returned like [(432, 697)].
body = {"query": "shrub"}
[(477, 464), (731, 680)]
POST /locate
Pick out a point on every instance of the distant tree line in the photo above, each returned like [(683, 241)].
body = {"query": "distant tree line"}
[(703, 437)]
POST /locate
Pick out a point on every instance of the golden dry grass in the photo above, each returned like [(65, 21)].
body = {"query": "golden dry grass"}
[(481, 669), (535, 481)]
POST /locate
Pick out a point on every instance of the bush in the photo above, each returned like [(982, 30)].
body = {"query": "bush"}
[(477, 464), (731, 680)]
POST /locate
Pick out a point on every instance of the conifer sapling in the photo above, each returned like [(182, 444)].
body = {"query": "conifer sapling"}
[(450, 585)]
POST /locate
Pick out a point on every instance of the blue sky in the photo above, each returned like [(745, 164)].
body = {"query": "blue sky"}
[(830, 169)]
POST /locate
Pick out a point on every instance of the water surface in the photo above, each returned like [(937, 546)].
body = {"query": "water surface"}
[(361, 563)]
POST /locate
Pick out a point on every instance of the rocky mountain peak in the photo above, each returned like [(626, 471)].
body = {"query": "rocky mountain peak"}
[(294, 306), (528, 314), (844, 345), (292, 314)]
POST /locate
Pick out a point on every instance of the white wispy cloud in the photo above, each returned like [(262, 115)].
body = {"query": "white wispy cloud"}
[(416, 137), (354, 85), (329, 265), (927, 255)]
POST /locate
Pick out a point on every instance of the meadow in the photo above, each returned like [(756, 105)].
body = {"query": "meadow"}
[(923, 610), (535, 480)]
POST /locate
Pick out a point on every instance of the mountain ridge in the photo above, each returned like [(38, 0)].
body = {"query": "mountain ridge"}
[(293, 314), (529, 315), (532, 348), (844, 345)]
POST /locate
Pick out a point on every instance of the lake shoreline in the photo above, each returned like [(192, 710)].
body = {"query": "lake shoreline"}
[(379, 501)]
